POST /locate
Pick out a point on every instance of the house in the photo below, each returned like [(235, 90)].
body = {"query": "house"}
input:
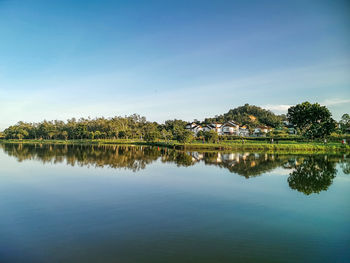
[(265, 129), (243, 131), (193, 127), (261, 130), (190, 125), (217, 127), (288, 124), (292, 131), (207, 128), (230, 128)]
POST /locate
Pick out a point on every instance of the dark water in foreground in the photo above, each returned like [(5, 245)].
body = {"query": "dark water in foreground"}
[(142, 204)]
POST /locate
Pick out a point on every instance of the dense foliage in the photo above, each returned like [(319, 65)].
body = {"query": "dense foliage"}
[(129, 127), (313, 120), (250, 115), (345, 123)]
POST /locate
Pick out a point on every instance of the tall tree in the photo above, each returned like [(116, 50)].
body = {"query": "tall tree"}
[(345, 123), (313, 120), (185, 136)]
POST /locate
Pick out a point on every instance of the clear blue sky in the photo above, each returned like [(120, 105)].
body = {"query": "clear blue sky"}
[(170, 59)]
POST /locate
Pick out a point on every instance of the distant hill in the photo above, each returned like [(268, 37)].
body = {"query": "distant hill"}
[(249, 115)]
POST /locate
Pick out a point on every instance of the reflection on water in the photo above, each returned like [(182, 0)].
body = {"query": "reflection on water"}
[(308, 173), (313, 175), (163, 205)]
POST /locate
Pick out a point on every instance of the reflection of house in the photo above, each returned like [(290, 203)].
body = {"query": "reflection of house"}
[(219, 158), (228, 156), (196, 156)]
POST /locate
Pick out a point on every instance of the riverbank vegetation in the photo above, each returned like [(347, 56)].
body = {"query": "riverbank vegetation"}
[(236, 145), (316, 131)]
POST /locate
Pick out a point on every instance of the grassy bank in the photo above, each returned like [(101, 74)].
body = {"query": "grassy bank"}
[(258, 146)]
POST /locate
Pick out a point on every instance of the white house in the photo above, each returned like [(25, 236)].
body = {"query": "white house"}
[(217, 127), (243, 131), (230, 128), (193, 127), (262, 130), (207, 128)]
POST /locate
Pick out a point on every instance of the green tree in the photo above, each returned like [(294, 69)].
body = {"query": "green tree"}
[(91, 135), (185, 136), (96, 135), (211, 136), (22, 134), (313, 120), (345, 123), (176, 127), (64, 135), (166, 135), (151, 133)]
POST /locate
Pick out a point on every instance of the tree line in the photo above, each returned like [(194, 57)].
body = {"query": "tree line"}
[(310, 120), (128, 127)]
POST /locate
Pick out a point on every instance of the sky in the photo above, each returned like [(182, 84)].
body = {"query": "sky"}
[(170, 59)]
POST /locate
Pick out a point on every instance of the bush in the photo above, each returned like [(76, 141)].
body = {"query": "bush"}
[(211, 136), (185, 136)]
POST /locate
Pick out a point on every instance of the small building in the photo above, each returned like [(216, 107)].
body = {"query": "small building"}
[(230, 128), (207, 128), (193, 127), (217, 127), (243, 131), (292, 131), (261, 130)]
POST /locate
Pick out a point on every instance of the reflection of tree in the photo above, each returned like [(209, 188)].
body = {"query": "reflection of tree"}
[(134, 158), (128, 157), (179, 157), (345, 165), (248, 164), (313, 175)]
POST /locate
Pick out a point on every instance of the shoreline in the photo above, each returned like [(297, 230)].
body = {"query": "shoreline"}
[(283, 147)]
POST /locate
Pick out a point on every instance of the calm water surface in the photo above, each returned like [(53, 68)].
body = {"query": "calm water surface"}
[(146, 204)]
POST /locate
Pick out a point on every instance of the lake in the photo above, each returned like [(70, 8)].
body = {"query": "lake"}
[(71, 203)]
